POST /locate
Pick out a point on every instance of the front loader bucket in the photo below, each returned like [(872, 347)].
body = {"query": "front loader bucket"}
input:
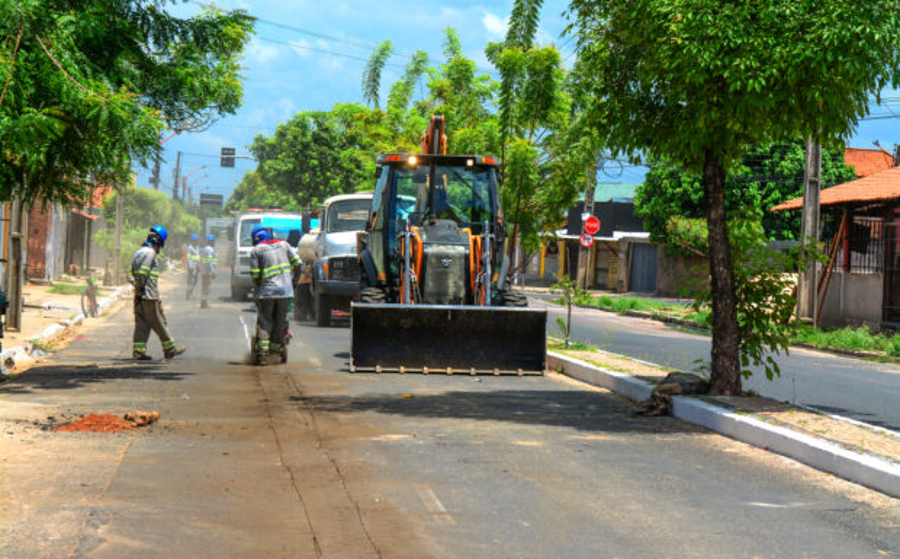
[(448, 339)]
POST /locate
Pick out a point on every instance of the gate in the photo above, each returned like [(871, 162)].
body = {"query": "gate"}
[(644, 259)]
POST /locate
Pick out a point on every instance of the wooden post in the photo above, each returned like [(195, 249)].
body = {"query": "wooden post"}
[(832, 257), (15, 274), (563, 261), (120, 209), (543, 256)]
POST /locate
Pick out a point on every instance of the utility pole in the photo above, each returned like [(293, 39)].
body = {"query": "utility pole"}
[(584, 254), (809, 226), (120, 209), (177, 176), (15, 273), (155, 178)]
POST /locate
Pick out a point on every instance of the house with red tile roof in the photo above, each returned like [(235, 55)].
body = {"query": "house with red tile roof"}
[(868, 161), (860, 284)]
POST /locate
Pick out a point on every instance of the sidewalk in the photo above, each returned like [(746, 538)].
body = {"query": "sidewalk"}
[(50, 312), (856, 451)]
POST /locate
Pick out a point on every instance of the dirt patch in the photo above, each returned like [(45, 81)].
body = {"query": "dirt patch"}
[(619, 364), (93, 423), (109, 423), (857, 438)]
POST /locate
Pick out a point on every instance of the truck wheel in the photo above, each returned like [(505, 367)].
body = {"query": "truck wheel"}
[(375, 295), (323, 310), (510, 298), (303, 303)]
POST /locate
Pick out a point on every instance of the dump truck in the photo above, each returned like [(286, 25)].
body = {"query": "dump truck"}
[(435, 291)]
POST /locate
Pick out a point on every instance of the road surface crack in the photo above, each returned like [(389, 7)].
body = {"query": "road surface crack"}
[(284, 464)]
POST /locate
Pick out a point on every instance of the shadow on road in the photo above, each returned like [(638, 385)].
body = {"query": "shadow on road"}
[(587, 411), (65, 377)]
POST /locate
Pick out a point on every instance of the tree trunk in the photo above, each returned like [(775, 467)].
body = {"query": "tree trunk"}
[(726, 365)]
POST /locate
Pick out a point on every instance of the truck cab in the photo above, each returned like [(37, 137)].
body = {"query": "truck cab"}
[(330, 266)]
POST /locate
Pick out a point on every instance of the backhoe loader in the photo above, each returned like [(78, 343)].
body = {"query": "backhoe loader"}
[(435, 293)]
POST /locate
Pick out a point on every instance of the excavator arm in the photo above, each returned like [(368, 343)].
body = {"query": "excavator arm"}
[(434, 140)]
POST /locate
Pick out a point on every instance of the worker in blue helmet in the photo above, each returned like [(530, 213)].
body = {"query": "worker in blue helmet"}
[(208, 263), (272, 266), (148, 310), (193, 264)]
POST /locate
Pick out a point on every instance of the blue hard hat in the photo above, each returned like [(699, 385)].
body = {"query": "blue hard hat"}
[(194, 236), (260, 234), (158, 235), (210, 237)]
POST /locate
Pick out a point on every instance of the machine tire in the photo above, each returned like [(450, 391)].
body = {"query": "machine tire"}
[(323, 309), (303, 309), (510, 298), (375, 295)]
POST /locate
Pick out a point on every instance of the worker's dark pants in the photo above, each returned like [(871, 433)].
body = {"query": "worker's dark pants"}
[(148, 315), (205, 282), (192, 280), (271, 324)]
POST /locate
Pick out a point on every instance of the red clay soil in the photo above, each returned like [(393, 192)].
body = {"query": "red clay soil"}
[(93, 423)]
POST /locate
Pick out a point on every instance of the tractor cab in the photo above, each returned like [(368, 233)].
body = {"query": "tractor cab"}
[(456, 194)]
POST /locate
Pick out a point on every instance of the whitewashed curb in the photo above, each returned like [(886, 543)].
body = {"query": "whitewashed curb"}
[(17, 354), (864, 469)]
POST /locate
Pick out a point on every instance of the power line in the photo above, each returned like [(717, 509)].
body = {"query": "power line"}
[(323, 51)]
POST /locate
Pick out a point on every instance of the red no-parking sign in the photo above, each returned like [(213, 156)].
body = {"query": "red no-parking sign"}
[(586, 240), (592, 224)]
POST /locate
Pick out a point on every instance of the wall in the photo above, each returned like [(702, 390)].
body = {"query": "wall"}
[(679, 276), (853, 299)]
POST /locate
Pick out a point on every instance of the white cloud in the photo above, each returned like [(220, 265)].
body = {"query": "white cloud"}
[(301, 47), (261, 53), (496, 26)]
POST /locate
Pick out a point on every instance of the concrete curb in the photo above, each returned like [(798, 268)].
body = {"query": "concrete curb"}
[(871, 471), (9, 358)]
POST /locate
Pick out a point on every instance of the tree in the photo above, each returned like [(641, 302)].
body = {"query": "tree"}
[(314, 155), (371, 80), (698, 82), (142, 209), (87, 85), (543, 164), (767, 175)]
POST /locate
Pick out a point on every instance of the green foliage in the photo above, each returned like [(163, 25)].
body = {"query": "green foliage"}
[(698, 82), (764, 283), (86, 87), (371, 80), (142, 209), (569, 292), (402, 91), (253, 192), (767, 175), (311, 157)]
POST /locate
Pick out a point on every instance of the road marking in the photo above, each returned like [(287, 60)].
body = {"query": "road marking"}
[(434, 505), (528, 443), (246, 333), (389, 438)]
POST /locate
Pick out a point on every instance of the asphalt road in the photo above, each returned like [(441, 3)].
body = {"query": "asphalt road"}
[(863, 390), (309, 460)]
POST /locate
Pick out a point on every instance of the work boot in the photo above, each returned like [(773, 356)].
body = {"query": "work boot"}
[(140, 356), (262, 359), (175, 352), (204, 304)]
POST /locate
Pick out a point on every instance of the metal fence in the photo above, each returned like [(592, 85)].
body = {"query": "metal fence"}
[(869, 239)]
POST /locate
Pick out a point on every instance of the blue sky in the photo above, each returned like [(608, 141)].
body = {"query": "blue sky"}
[(290, 70)]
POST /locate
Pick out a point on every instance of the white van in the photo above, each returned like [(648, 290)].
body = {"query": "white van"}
[(284, 225)]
